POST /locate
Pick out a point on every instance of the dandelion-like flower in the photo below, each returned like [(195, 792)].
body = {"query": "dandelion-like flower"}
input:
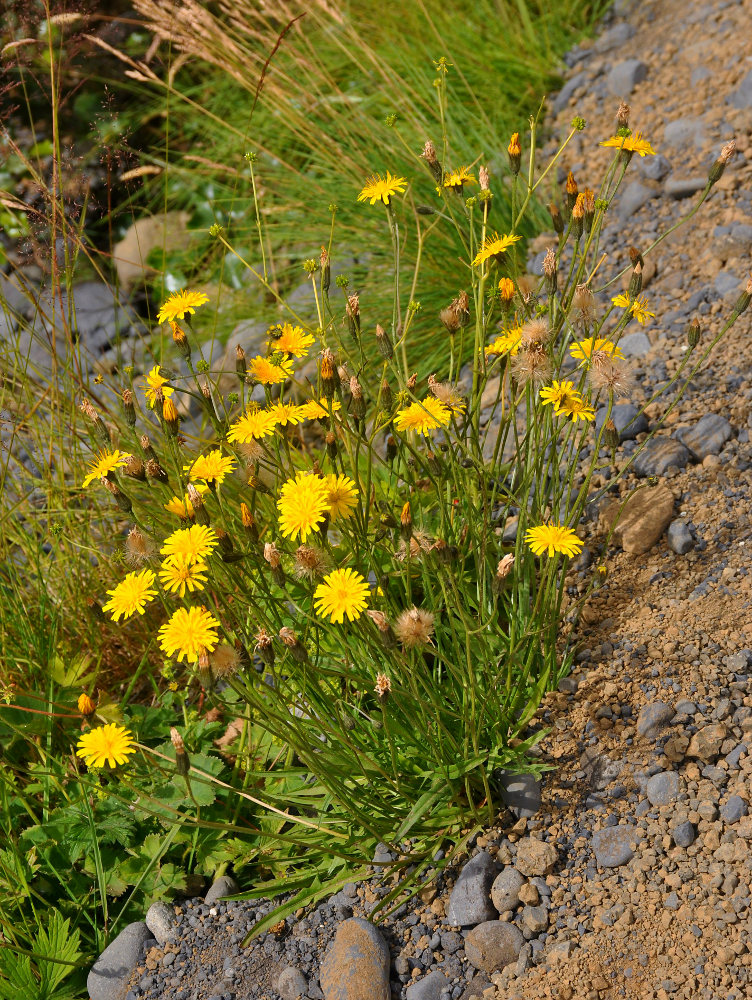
[(180, 303), (342, 592), (637, 307), (286, 413), (184, 508), (378, 188), (314, 410), (494, 246), (423, 417), (303, 505), (414, 628), (253, 425), (557, 393), (106, 462), (131, 595), (632, 143), (108, 744), (195, 543), (552, 539), (508, 342), (190, 632), (180, 573), (575, 407), (457, 179), (156, 385), (342, 496), (290, 339), (584, 350), (270, 372), (211, 468)]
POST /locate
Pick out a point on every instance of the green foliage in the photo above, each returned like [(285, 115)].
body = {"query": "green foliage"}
[(41, 975)]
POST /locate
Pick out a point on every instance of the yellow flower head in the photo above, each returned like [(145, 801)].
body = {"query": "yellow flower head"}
[(286, 413), (493, 247), (343, 592), (507, 342), (552, 539), (180, 573), (506, 289), (108, 744), (638, 308), (303, 505), (212, 467), (557, 393), (423, 417), (154, 384), (131, 595), (290, 339), (575, 407), (180, 303), (456, 179), (269, 372), (632, 143), (342, 496), (254, 424), (85, 705), (584, 350), (106, 461), (194, 543), (313, 410), (378, 188), (184, 508), (190, 632)]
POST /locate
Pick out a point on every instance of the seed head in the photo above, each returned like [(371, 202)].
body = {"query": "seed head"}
[(622, 115), (264, 646), (535, 334), (272, 555), (506, 564), (608, 374), (383, 687), (483, 178), (138, 547), (532, 366), (310, 562), (414, 628), (583, 302), (225, 660)]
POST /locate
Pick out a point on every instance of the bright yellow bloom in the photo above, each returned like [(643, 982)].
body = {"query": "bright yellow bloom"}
[(286, 413), (575, 407), (85, 705), (290, 339), (638, 307), (557, 393), (585, 349), (378, 188), (194, 543), (131, 595), (180, 303), (211, 468), (506, 289), (108, 744), (181, 573), (269, 372), (342, 496), (343, 592), (254, 424), (190, 632), (507, 342), (494, 246), (633, 143), (106, 461), (553, 538), (184, 508), (423, 417), (303, 505), (155, 383), (457, 179), (313, 410)]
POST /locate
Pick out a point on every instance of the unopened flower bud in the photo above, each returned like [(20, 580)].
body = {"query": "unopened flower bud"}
[(381, 622), (182, 763), (85, 705), (515, 153), (96, 609), (180, 340), (589, 205), (331, 445), (88, 410), (328, 373), (274, 557), (128, 408), (146, 448), (199, 507), (386, 395), (742, 303), (506, 290), (406, 522), (118, 496), (353, 315), (726, 154), (134, 468), (391, 448), (578, 216), (610, 434), (693, 333), (635, 282), (248, 522), (384, 343), (549, 271), (556, 219), (170, 415), (572, 191), (240, 363), (358, 403), (326, 270)]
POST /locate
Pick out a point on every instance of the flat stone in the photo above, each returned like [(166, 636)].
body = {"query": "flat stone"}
[(727, 285), (475, 988), (706, 742), (634, 345), (160, 919), (643, 519), (505, 891), (680, 538), (628, 420), (614, 37), (535, 857), (470, 901), (110, 973), (707, 437), (663, 788), (612, 845), (742, 96), (632, 198), (655, 168), (427, 988), (535, 918), (659, 455), (560, 952), (684, 187), (564, 96), (356, 964), (625, 76), (733, 810), (684, 132), (492, 945), (292, 984), (653, 718), (222, 886), (521, 793), (144, 235)]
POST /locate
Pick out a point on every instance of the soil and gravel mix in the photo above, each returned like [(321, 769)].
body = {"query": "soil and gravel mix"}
[(626, 872)]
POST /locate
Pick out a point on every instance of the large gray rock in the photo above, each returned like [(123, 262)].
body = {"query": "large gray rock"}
[(632, 198), (684, 187), (292, 984), (663, 788), (505, 891), (742, 96), (522, 794), (356, 964), (564, 96), (625, 76), (653, 718), (684, 132), (160, 919), (634, 345), (612, 845), (110, 973), (628, 420), (220, 887), (614, 37), (659, 455), (655, 168), (707, 437), (427, 988), (470, 901), (492, 945)]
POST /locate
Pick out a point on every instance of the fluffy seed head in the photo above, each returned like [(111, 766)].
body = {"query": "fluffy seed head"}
[(535, 334), (532, 367), (414, 628), (383, 687), (225, 660), (608, 374), (138, 547), (310, 562)]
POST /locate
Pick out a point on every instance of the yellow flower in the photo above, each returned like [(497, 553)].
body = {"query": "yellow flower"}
[(155, 383), (343, 592), (194, 543), (557, 393), (286, 413), (506, 289), (108, 744), (131, 595), (553, 538), (507, 343), (302, 505), (638, 307), (575, 407), (190, 632), (633, 143), (106, 461), (456, 179), (313, 410), (180, 303), (378, 188), (423, 417), (342, 496), (252, 425), (290, 339), (269, 372), (211, 468), (180, 573), (184, 508), (494, 246), (585, 349), (85, 705)]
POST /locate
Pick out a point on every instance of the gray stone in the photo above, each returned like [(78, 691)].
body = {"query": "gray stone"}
[(505, 891), (634, 345), (742, 96), (680, 537), (521, 793), (356, 964), (535, 857), (470, 901), (698, 75), (727, 285), (535, 918), (559, 952), (655, 168), (627, 419), (663, 788), (475, 988), (427, 988), (707, 437), (112, 970), (612, 845), (632, 198), (614, 37), (292, 984), (222, 886), (684, 834), (733, 810), (160, 919), (653, 718), (382, 855), (684, 187), (564, 96), (684, 131), (492, 945), (659, 455), (625, 76), (600, 770)]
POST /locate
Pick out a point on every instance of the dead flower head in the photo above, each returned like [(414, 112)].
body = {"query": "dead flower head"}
[(583, 302), (383, 687), (224, 660), (138, 547), (608, 374), (535, 334), (414, 628), (310, 562), (532, 367)]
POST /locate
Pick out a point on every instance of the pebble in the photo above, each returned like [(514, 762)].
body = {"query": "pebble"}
[(505, 891), (706, 742), (428, 988), (684, 187), (492, 945), (661, 454), (470, 901), (612, 845), (663, 788), (625, 76), (742, 96), (522, 794), (535, 857), (632, 198), (653, 718), (684, 132), (356, 964), (292, 984), (733, 810), (707, 437), (160, 919), (679, 537)]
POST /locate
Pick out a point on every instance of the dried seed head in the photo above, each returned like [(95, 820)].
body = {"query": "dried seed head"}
[(134, 468), (383, 687), (622, 115), (353, 305), (506, 564), (535, 334), (310, 562), (296, 648), (450, 319), (252, 450), (272, 555), (414, 628), (532, 367), (264, 646), (118, 496), (129, 408), (138, 547), (177, 740), (483, 178), (549, 262), (608, 374), (412, 382), (379, 619), (583, 302), (355, 387), (728, 151), (429, 153), (225, 660)]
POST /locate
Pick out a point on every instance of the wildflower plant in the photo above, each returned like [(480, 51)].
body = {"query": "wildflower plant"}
[(369, 565)]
